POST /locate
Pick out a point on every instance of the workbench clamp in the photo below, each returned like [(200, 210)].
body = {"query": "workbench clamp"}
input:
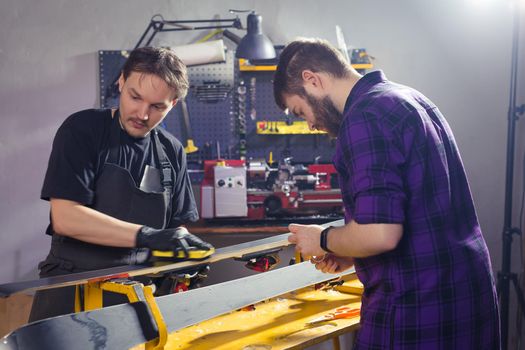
[(135, 291)]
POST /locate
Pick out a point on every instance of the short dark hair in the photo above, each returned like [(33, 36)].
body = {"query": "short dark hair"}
[(161, 62), (317, 55)]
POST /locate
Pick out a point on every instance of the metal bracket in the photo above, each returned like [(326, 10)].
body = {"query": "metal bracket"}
[(159, 25)]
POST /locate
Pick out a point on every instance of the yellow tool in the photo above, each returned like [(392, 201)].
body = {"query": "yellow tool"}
[(284, 128), (190, 146), (246, 66), (170, 256), (270, 158)]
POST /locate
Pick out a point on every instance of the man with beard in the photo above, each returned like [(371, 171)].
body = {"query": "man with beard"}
[(411, 226), (117, 183)]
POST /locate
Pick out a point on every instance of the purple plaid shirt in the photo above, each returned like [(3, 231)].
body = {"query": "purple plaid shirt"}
[(398, 163)]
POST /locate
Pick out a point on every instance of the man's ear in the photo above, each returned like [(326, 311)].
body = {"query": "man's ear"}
[(313, 83), (121, 81), (312, 78), (174, 102)]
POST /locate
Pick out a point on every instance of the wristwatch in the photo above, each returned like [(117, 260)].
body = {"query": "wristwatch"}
[(324, 239)]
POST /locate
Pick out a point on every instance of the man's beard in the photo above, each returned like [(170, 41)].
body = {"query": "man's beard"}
[(327, 117)]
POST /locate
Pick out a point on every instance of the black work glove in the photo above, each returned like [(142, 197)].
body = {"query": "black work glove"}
[(170, 239)]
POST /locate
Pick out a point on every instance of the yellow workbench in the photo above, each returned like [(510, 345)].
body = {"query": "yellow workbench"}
[(279, 323)]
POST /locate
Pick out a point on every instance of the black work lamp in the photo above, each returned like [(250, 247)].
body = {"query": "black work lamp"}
[(255, 45)]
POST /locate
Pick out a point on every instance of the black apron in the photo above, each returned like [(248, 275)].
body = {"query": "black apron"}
[(116, 195)]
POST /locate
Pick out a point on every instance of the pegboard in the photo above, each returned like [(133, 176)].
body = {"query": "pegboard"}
[(223, 118), (109, 65), (302, 148)]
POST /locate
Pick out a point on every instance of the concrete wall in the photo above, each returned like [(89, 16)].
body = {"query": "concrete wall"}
[(456, 52)]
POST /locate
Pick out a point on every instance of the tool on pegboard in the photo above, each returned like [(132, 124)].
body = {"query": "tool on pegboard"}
[(266, 127), (246, 66), (241, 118), (211, 91), (218, 147), (253, 111), (190, 145)]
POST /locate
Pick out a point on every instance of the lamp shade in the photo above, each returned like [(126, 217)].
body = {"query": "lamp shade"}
[(255, 45)]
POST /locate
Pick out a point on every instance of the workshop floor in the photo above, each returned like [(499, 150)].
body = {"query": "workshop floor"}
[(14, 312)]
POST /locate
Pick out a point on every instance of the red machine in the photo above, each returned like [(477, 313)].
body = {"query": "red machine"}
[(257, 191)]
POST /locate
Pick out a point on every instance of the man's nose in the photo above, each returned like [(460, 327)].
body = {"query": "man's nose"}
[(143, 113)]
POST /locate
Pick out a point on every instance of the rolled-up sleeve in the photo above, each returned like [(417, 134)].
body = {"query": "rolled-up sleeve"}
[(373, 162)]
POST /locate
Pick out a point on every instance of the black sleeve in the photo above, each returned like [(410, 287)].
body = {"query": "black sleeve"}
[(71, 169), (184, 208)]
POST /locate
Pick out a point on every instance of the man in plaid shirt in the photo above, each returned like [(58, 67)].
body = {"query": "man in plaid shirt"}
[(411, 226)]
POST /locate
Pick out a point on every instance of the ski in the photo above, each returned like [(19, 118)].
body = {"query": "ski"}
[(234, 251), (127, 325)]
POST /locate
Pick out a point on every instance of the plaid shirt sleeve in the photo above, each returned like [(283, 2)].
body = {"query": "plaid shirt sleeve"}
[(373, 159)]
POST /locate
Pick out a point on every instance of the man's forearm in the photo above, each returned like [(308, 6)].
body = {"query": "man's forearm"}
[(80, 222), (361, 241)]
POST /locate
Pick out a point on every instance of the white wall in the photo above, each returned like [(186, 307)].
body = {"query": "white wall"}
[(457, 52)]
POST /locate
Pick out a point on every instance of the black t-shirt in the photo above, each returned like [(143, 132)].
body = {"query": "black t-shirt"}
[(81, 148)]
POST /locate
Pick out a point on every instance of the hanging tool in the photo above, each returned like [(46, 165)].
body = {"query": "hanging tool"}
[(285, 128), (241, 109), (270, 158), (190, 146), (288, 117), (246, 66), (211, 91), (253, 111), (218, 146)]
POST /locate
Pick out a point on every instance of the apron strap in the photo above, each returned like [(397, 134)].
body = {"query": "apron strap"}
[(114, 139), (166, 175)]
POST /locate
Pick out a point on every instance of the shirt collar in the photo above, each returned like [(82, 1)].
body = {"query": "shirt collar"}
[(363, 84)]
